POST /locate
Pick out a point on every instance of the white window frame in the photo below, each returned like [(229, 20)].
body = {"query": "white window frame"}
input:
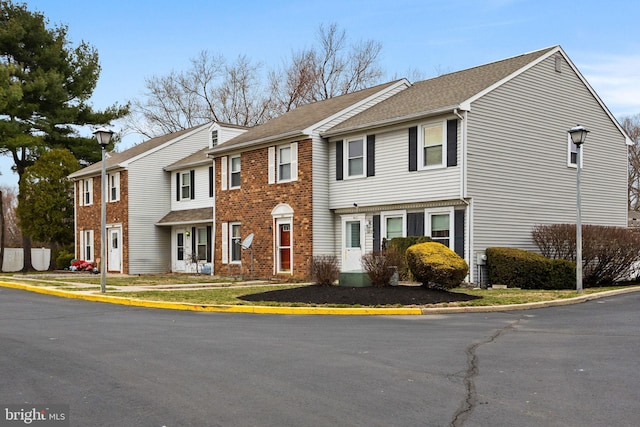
[(201, 232), (87, 242), (347, 159), (215, 137), (421, 147), (392, 214), (232, 171), (114, 187), (233, 240), (184, 187), (87, 192), (429, 213), (274, 163), (570, 150)]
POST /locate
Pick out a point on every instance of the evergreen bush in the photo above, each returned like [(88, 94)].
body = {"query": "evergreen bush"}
[(435, 265)]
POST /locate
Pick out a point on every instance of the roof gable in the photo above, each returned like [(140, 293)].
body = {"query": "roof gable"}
[(123, 159), (446, 92), (302, 120)]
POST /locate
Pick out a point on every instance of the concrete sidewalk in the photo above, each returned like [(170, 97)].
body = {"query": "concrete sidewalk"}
[(88, 292)]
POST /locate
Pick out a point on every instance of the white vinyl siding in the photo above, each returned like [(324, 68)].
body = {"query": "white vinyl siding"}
[(531, 183), (150, 199), (201, 197), (393, 183)]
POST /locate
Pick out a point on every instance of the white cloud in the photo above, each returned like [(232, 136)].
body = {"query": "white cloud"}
[(616, 79)]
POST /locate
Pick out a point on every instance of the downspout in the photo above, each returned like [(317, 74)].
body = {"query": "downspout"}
[(463, 187)]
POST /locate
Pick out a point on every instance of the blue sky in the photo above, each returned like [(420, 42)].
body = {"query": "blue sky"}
[(137, 39)]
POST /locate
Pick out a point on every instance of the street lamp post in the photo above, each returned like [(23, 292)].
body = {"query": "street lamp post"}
[(103, 135), (578, 135)]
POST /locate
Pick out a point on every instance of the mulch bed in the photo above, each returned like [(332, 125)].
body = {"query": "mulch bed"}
[(368, 296)]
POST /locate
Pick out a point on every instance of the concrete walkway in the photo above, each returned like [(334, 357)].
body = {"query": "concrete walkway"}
[(88, 292)]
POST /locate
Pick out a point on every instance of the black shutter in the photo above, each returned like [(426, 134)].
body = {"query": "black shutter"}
[(371, 155), (208, 243), (413, 149), (339, 164), (415, 224), (192, 175), (452, 142), (193, 240), (458, 233), (376, 233), (210, 181), (178, 187)]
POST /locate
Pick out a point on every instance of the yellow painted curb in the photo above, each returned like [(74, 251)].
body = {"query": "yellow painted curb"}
[(359, 311), (356, 311)]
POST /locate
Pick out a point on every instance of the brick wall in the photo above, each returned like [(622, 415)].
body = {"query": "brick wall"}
[(251, 205), (88, 217)]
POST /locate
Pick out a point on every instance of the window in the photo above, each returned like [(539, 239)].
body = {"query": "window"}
[(352, 234), (87, 245), (440, 226), (355, 158), (87, 192), (433, 147), (201, 244), (214, 138), (284, 164), (393, 224), (234, 242), (234, 172), (180, 246), (185, 185), (114, 187)]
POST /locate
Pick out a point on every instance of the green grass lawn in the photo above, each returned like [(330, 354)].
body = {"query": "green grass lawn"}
[(229, 296)]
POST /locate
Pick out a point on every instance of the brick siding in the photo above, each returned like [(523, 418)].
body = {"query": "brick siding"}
[(251, 205)]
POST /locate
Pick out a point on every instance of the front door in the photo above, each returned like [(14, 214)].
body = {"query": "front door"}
[(352, 242), (284, 247), (179, 254), (114, 257)]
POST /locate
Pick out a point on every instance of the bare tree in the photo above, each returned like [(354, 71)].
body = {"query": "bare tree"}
[(213, 89), (631, 125), (330, 69), (13, 235)]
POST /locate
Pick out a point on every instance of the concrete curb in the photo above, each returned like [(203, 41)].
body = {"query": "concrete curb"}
[(356, 311)]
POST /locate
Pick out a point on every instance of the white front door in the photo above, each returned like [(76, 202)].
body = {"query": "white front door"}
[(352, 242), (114, 257), (179, 254)]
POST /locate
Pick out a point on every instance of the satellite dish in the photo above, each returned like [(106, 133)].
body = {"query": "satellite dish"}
[(246, 243)]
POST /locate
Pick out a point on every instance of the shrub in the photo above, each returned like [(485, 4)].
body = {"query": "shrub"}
[(528, 270), (435, 265), (400, 246), (608, 253), (324, 269), (63, 259), (379, 266)]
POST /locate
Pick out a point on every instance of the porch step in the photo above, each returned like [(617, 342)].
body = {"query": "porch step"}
[(354, 279)]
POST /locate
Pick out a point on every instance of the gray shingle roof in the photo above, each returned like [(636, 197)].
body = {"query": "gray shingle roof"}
[(294, 122), (114, 160), (449, 90), (197, 158), (187, 216)]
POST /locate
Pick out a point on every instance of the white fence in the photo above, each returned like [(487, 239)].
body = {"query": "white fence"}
[(14, 259)]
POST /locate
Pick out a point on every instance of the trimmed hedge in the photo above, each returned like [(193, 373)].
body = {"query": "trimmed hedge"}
[(518, 268), (400, 246), (435, 265)]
